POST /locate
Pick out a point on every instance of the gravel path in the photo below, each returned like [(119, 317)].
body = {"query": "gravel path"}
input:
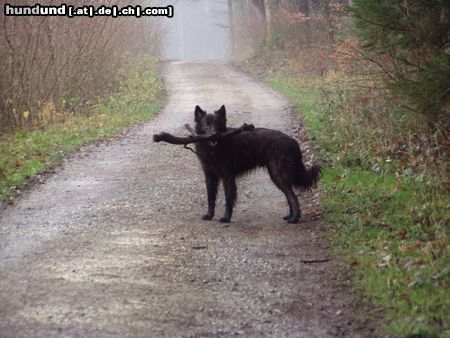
[(112, 243)]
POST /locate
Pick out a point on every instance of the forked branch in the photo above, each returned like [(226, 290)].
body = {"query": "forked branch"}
[(194, 138)]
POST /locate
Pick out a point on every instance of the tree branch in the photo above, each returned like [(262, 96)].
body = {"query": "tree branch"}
[(169, 138)]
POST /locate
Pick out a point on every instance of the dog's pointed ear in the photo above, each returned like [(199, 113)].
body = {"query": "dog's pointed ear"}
[(221, 112), (198, 113)]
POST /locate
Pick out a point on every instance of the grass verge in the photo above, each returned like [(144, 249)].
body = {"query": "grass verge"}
[(390, 220), (23, 154)]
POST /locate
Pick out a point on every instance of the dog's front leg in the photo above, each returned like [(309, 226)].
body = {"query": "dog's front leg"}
[(229, 186), (212, 182)]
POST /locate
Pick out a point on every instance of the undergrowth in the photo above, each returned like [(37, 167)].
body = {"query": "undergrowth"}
[(136, 96), (385, 190)]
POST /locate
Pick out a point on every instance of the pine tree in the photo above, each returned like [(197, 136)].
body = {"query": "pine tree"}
[(409, 41)]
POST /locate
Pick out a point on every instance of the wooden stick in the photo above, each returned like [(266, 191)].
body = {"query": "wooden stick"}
[(169, 138), (192, 131), (312, 261)]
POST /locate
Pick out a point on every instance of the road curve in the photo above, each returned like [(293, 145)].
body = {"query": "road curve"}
[(112, 243)]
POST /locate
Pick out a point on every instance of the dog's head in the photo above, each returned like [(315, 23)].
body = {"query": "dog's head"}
[(209, 124)]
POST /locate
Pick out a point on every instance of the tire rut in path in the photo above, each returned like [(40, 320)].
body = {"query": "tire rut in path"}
[(113, 245)]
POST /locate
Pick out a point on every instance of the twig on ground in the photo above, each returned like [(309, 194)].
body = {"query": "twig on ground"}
[(312, 261)]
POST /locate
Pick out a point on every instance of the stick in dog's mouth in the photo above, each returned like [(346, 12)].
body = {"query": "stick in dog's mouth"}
[(192, 131), (189, 128)]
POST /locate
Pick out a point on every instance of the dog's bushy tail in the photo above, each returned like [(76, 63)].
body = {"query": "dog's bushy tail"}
[(308, 178)]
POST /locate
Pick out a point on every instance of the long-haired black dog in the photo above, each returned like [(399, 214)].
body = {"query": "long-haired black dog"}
[(236, 155)]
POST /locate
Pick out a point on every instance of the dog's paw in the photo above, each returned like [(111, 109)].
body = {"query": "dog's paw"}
[(207, 217), (293, 220), (224, 220)]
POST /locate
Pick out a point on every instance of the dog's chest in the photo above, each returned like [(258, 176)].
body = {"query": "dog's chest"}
[(215, 158)]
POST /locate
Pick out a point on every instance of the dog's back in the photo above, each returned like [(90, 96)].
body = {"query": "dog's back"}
[(259, 148)]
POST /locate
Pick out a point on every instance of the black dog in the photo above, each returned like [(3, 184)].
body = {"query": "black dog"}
[(245, 151)]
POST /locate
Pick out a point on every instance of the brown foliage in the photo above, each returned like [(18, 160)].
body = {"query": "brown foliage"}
[(52, 63)]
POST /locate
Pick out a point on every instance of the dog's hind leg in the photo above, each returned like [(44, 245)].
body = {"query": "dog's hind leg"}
[(212, 181), (286, 188), (229, 186), (294, 206)]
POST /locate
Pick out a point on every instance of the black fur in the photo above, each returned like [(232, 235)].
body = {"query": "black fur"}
[(234, 156)]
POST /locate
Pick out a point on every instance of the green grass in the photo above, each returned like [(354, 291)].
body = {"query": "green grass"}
[(392, 227), (23, 154)]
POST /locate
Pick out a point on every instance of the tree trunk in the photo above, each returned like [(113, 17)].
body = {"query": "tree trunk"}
[(232, 27), (271, 7), (262, 17), (325, 4)]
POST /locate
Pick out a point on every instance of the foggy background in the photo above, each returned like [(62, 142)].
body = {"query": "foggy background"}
[(199, 30)]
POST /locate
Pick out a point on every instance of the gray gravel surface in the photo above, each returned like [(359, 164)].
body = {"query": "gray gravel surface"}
[(112, 244)]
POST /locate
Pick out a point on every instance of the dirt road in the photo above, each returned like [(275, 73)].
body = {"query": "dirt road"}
[(112, 244)]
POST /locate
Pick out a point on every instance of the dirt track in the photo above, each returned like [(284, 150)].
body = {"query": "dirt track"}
[(112, 244)]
